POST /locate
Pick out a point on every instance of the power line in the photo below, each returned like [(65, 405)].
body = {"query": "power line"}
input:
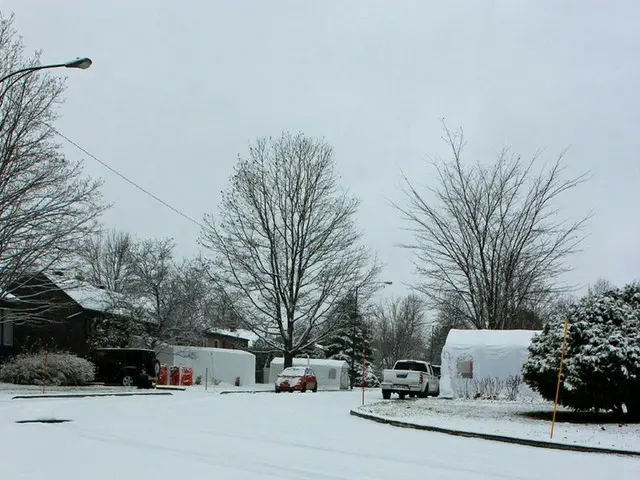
[(139, 187)]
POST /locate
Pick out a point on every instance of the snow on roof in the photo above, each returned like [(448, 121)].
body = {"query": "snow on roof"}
[(317, 362), (238, 333), (85, 294), (490, 338)]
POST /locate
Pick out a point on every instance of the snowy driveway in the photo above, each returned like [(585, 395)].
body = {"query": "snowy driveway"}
[(260, 436)]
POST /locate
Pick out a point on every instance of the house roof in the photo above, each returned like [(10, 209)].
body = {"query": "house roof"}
[(85, 294), (238, 333)]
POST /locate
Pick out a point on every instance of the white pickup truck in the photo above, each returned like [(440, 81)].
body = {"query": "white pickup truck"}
[(410, 377)]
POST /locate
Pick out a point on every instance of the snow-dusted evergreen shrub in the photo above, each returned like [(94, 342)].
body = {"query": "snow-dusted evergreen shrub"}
[(602, 359), (62, 369)]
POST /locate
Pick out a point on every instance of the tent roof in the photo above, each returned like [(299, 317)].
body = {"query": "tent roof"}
[(489, 338), (317, 362)]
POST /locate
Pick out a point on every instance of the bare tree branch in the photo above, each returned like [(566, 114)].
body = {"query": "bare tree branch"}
[(400, 330), (490, 237)]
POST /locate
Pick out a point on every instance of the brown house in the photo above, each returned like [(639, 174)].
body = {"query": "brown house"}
[(230, 339), (48, 309)]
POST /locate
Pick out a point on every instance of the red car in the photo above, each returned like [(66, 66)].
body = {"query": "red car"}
[(297, 378)]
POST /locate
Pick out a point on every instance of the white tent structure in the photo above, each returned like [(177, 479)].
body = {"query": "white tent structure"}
[(331, 374), (470, 356), (219, 364)]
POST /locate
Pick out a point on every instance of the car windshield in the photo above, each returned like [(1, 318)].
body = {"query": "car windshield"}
[(293, 372)]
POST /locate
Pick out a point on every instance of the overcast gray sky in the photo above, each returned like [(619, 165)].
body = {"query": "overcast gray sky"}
[(178, 89)]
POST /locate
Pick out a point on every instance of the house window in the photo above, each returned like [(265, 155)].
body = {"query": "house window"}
[(7, 330), (332, 374)]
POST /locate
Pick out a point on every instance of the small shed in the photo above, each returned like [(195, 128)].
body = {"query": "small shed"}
[(332, 374), (470, 356), (219, 364)]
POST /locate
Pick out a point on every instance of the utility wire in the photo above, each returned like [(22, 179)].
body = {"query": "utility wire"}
[(142, 189)]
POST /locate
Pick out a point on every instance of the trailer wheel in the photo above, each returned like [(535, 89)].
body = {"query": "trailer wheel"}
[(386, 394)]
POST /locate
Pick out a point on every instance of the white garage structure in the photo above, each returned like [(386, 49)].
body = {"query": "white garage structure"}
[(331, 374), (472, 355), (219, 364)]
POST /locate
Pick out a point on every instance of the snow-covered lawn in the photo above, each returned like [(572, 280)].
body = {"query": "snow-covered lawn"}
[(197, 434), (511, 419)]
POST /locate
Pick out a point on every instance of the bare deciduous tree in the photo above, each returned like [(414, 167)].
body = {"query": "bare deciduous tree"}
[(47, 205), (600, 287), (285, 241), (106, 260), (400, 330), (163, 294), (491, 236)]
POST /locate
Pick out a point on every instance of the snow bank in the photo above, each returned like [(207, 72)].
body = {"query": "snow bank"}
[(470, 355), (221, 365), (508, 419)]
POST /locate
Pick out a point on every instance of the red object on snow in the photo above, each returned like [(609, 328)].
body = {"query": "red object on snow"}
[(187, 376), (174, 375), (163, 375)]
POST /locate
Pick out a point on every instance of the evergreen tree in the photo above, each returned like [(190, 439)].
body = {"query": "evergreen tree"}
[(602, 358), (347, 339)]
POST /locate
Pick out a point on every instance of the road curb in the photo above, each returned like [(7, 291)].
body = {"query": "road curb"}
[(496, 438), (226, 392), (83, 395), (171, 387)]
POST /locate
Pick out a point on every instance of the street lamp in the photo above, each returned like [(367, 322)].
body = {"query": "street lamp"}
[(81, 63), (353, 335)]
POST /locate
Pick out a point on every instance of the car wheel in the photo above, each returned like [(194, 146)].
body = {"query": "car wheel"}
[(386, 394), (277, 390), (127, 381), (402, 395), (303, 388), (315, 388)]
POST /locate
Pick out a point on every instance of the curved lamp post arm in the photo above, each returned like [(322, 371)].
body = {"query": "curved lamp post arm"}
[(82, 63)]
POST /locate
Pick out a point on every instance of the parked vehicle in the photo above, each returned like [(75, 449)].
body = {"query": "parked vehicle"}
[(126, 366), (410, 377), (296, 378)]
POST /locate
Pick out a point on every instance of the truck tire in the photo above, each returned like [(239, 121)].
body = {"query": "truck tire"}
[(402, 395), (386, 394)]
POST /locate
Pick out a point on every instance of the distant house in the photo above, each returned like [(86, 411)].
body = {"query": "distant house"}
[(50, 309), (230, 339)]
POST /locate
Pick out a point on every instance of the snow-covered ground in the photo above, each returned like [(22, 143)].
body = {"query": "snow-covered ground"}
[(197, 434), (509, 419)]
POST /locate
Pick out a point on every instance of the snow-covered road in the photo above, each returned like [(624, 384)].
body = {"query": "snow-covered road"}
[(260, 436)]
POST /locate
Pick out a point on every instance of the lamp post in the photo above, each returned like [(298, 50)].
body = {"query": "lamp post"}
[(353, 333), (81, 63)]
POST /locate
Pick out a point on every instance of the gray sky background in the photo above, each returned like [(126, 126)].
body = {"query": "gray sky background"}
[(178, 89)]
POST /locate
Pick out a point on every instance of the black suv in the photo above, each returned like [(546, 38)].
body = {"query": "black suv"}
[(126, 366)]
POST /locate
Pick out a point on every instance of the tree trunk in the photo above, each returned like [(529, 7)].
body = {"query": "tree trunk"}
[(288, 359)]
